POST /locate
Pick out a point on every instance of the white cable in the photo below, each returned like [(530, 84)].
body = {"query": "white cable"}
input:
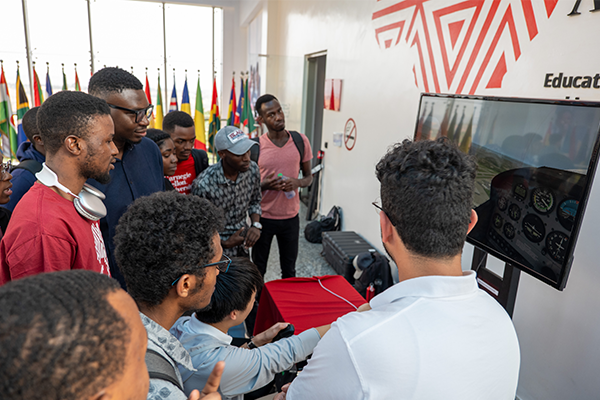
[(336, 295)]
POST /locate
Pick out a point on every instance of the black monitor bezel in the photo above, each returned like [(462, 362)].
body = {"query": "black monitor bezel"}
[(561, 283)]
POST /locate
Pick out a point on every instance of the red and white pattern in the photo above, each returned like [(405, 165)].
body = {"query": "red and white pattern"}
[(463, 47)]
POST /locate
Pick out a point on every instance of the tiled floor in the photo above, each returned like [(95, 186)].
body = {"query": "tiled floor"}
[(309, 263)]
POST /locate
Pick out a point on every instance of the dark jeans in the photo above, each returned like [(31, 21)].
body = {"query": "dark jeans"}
[(287, 232)]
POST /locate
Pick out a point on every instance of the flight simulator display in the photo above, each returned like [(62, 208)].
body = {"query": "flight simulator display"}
[(536, 160)]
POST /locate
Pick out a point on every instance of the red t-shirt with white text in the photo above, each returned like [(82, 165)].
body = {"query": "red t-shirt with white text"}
[(47, 234), (184, 176)]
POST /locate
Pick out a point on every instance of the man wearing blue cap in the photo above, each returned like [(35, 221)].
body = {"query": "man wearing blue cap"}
[(234, 185)]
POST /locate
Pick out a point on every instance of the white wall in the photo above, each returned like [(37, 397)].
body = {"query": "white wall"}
[(557, 330)]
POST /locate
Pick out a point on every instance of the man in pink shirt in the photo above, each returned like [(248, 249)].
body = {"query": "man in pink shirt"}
[(281, 157), (55, 225)]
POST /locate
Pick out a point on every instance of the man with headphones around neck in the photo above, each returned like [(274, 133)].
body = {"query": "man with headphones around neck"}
[(55, 225)]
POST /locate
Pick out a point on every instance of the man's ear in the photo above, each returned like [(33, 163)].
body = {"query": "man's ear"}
[(184, 285), (473, 220), (233, 315), (259, 119), (387, 229), (38, 140), (75, 145)]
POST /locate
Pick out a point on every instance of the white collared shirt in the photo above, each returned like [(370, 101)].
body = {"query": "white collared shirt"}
[(434, 337)]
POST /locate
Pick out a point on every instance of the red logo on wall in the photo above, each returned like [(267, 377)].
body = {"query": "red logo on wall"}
[(463, 47)]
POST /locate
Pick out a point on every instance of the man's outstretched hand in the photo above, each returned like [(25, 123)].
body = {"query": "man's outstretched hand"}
[(212, 385)]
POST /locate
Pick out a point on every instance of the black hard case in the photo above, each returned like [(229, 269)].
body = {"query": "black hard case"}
[(340, 248)]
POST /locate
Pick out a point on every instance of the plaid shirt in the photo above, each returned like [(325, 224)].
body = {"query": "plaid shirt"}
[(238, 199)]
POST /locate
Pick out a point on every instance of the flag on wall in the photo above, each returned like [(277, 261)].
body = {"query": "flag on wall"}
[(199, 124), (158, 120), (38, 93), (64, 78), (7, 127), (173, 103), (22, 108), (247, 119), (240, 104), (149, 98), (232, 106), (185, 99), (214, 122), (48, 84), (77, 85)]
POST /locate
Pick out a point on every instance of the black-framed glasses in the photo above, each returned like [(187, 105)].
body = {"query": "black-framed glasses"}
[(380, 209), (222, 266), (139, 114), (5, 168)]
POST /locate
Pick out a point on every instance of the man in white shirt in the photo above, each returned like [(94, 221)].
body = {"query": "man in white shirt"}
[(435, 334)]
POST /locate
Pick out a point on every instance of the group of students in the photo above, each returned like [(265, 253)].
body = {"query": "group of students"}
[(99, 204)]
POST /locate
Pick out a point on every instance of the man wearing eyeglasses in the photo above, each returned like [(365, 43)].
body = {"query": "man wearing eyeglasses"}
[(169, 251), (435, 334), (138, 170)]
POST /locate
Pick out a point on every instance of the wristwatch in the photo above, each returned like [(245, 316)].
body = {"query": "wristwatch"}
[(251, 345), (257, 225)]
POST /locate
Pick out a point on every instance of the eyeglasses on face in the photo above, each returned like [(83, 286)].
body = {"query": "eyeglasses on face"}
[(222, 266), (5, 169), (139, 114)]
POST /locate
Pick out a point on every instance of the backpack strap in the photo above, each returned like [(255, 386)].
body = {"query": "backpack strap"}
[(160, 368), (255, 150), (299, 145), (200, 160), (32, 166)]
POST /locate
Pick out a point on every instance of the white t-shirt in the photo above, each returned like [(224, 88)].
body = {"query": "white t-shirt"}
[(426, 338)]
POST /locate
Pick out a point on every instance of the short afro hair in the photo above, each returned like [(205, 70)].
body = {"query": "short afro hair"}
[(68, 114), (265, 98), (60, 337), (157, 136), (177, 118), (427, 193), (30, 123), (160, 238), (233, 291), (112, 80)]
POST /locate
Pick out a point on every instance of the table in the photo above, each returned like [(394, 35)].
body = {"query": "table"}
[(304, 302)]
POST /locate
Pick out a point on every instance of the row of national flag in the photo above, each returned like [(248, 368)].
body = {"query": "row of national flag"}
[(241, 115), (12, 133)]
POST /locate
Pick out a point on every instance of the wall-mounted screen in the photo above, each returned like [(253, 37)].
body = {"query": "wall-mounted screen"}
[(536, 160)]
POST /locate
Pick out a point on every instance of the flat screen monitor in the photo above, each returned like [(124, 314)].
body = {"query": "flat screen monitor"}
[(536, 160)]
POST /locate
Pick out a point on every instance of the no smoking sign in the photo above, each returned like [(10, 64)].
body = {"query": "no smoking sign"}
[(350, 134)]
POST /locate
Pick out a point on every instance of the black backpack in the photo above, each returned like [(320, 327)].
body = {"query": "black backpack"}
[(32, 166), (377, 277), (330, 222), (255, 150), (200, 160)]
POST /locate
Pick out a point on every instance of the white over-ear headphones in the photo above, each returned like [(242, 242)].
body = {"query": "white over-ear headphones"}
[(88, 202)]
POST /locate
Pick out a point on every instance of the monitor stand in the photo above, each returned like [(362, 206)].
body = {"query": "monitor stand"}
[(503, 289)]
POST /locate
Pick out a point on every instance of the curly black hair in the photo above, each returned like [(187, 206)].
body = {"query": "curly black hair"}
[(233, 291), (265, 98), (177, 118), (160, 238), (157, 136), (68, 113), (112, 80), (427, 193), (60, 337), (30, 123)]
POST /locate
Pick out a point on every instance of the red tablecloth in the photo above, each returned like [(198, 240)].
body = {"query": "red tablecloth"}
[(304, 303)]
